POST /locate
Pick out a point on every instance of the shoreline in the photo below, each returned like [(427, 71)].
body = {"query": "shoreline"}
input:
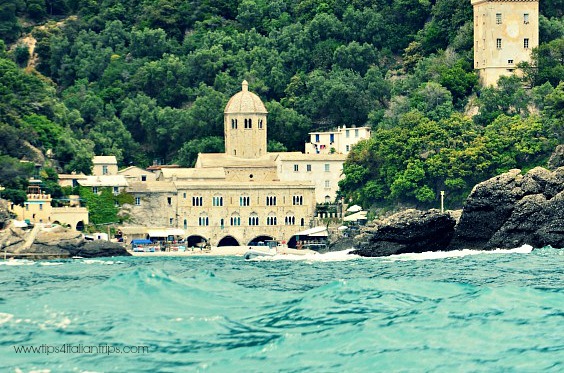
[(218, 251)]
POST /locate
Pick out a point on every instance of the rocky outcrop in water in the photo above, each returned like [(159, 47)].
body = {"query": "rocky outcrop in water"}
[(56, 242), (410, 231), (511, 210), (507, 211)]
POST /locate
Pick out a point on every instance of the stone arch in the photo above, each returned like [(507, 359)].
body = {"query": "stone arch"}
[(228, 241), (195, 240), (258, 239), (80, 226)]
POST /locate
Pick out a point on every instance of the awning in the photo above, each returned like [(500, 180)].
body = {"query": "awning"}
[(354, 208), (361, 215), (140, 242), (314, 232), (165, 232), (19, 223)]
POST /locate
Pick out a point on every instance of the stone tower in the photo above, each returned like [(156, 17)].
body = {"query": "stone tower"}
[(505, 32), (245, 125)]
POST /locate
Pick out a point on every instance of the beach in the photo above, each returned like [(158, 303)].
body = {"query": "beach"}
[(219, 251)]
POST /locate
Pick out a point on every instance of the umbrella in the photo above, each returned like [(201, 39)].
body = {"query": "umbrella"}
[(354, 208), (343, 228)]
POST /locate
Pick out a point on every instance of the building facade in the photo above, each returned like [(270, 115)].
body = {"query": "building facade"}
[(339, 141), (232, 198), (38, 209), (505, 32)]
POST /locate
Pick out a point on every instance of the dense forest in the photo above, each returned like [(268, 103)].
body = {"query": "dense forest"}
[(148, 80)]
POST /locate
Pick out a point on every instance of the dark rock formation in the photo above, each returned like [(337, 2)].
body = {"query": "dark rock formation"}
[(410, 231), (57, 242), (557, 158), (511, 210)]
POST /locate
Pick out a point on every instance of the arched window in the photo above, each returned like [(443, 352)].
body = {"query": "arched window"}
[(260, 124), (203, 220), (244, 201), (235, 220), (185, 224), (250, 123), (253, 219), (271, 219), (290, 220), (271, 200)]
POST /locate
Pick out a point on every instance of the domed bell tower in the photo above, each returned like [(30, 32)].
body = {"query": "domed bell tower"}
[(245, 125)]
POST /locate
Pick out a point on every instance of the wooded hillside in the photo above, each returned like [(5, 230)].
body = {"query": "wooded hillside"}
[(149, 79)]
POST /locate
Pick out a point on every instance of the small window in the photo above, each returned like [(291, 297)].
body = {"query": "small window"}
[(143, 177), (297, 200), (95, 190), (308, 168), (331, 138), (260, 123), (116, 190), (169, 201), (184, 195), (317, 137), (203, 221), (185, 224), (40, 207), (509, 61), (498, 18), (526, 18), (197, 201), (347, 133), (138, 201), (235, 220), (296, 168), (356, 133), (104, 170), (327, 184), (327, 167), (271, 200), (498, 43), (170, 221), (348, 147), (526, 43)]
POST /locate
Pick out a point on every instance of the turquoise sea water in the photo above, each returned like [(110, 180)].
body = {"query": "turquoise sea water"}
[(445, 312)]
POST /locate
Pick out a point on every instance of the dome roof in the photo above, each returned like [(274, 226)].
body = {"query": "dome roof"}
[(245, 102)]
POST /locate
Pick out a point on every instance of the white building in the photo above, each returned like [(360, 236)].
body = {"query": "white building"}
[(339, 141)]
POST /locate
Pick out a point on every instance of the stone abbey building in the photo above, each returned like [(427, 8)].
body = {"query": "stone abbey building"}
[(243, 195)]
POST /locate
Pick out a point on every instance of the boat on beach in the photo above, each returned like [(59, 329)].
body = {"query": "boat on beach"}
[(263, 249)]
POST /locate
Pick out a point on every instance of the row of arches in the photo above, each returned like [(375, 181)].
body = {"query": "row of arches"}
[(196, 240)]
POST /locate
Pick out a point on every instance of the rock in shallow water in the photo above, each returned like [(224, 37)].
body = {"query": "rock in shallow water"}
[(409, 231)]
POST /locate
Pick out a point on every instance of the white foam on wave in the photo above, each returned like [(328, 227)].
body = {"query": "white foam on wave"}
[(50, 263), (97, 261), (333, 256), (5, 317), (431, 255), (17, 262)]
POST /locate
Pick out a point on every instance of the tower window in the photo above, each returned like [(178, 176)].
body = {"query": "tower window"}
[(308, 168), (296, 168), (498, 43), (250, 123), (526, 43), (498, 18), (526, 18), (260, 123)]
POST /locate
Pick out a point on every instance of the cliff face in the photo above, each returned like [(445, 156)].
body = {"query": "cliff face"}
[(511, 210), (507, 211)]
